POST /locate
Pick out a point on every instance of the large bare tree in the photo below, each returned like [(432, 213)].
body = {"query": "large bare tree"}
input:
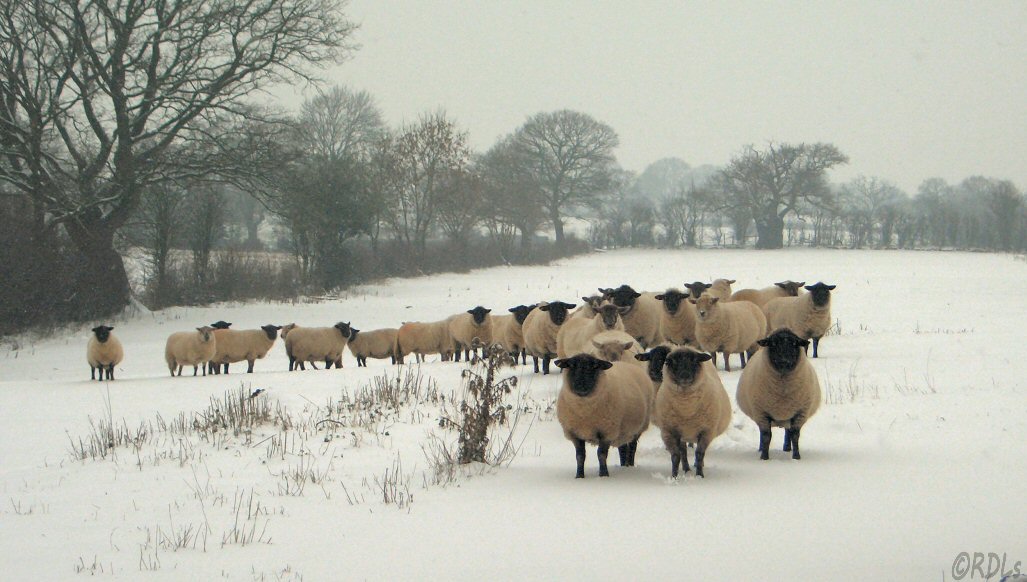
[(96, 95), (570, 157)]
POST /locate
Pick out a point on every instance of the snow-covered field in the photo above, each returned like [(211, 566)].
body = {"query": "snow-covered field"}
[(917, 454)]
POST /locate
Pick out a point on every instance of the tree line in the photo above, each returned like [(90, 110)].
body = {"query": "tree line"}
[(132, 128)]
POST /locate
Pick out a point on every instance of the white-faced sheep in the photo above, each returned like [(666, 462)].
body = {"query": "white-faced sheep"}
[(190, 348), (677, 319), (729, 328), (808, 315), (642, 320), (588, 307), (761, 296), (614, 346), (692, 407), (540, 329), (465, 328), (378, 344), (424, 338), (654, 360), (779, 387), (103, 352), (512, 333), (607, 404), (316, 344), (234, 345), (719, 288), (574, 335)]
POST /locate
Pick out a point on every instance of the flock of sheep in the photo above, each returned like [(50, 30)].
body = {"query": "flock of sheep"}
[(628, 358)]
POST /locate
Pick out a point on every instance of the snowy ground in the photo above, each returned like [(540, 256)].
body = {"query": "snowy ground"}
[(916, 456)]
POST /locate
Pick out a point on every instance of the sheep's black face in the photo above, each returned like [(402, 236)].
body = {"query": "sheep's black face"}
[(353, 333), (221, 324), (672, 300), (479, 313), (821, 293), (656, 357), (623, 296), (610, 315), (684, 366), (791, 287), (593, 301), (583, 372), (270, 330), (557, 311), (343, 328), (784, 349), (521, 312), (696, 289), (102, 333)]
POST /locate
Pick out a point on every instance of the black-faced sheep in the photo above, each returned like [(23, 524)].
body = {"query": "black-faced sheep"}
[(424, 338), (316, 344), (378, 344), (574, 335), (540, 329), (761, 296), (233, 345), (692, 407), (642, 320), (190, 348), (677, 320), (103, 352), (465, 328), (654, 360), (779, 387), (729, 328), (808, 315), (512, 333), (607, 404)]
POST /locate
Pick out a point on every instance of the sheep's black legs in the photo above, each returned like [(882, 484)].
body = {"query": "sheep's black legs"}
[(741, 356), (92, 373), (624, 454), (535, 359), (110, 372), (545, 364), (788, 440), (524, 357), (579, 454), (632, 447), (700, 452), (816, 342), (727, 361), (795, 443), (764, 443), (675, 460), (601, 453), (714, 354)]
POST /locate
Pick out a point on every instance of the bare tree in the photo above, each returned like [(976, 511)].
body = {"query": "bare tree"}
[(869, 206), (569, 156), (98, 95), (769, 184), (513, 197), (161, 223)]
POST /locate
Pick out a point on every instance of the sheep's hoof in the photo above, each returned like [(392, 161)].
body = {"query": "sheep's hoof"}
[(764, 456), (796, 456)]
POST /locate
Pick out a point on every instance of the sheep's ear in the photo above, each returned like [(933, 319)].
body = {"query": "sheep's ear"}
[(803, 343), (488, 311), (808, 287), (568, 305), (561, 363), (199, 329), (96, 329), (603, 365), (512, 310), (800, 284), (644, 357), (764, 342), (278, 327), (636, 295), (660, 297), (597, 345), (623, 310), (471, 311), (831, 287), (703, 356), (714, 299), (692, 300), (731, 281), (543, 308), (627, 345)]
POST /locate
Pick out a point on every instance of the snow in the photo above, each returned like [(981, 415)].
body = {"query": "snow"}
[(915, 456)]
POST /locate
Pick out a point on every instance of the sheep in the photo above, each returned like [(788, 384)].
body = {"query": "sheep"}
[(312, 344), (677, 320), (654, 360), (422, 338), (728, 327), (573, 337), (779, 387), (379, 344), (608, 404), (187, 348), (642, 320), (103, 352), (540, 329), (589, 304), (692, 407), (719, 288), (238, 345), (464, 328), (761, 296), (508, 331), (808, 315), (614, 346)]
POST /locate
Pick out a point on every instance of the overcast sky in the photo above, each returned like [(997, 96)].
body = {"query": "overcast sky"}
[(907, 92)]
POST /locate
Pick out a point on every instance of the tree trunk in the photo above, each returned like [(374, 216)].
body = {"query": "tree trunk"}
[(554, 217), (770, 232), (103, 288)]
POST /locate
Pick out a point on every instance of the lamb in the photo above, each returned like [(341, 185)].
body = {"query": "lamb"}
[(379, 344), (808, 315), (719, 288), (728, 327), (573, 337), (761, 296), (512, 333), (312, 344), (654, 360), (692, 407), (187, 348), (588, 306), (605, 403), (642, 320), (540, 329), (614, 346), (103, 352), (422, 338), (779, 387), (464, 328), (238, 345), (677, 320)]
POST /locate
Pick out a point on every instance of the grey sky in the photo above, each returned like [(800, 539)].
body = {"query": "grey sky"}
[(908, 91)]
